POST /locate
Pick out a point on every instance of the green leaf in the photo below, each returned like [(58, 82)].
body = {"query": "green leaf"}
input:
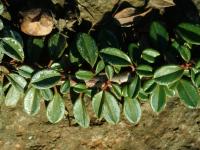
[(81, 114), (1, 24), (111, 110), (109, 71), (79, 88), (134, 87), (158, 99), (97, 104), (149, 86), (17, 81), (189, 32), (45, 79), (134, 52), (159, 35), (87, 48), (12, 97), (84, 75), (170, 92), (144, 70), (1, 54), (64, 88), (150, 54), (56, 109), (116, 90), (143, 96), (56, 45), (32, 101), (115, 56), (188, 94), (168, 74), (46, 94), (183, 51), (25, 71), (1, 8), (12, 48), (100, 66), (132, 110)]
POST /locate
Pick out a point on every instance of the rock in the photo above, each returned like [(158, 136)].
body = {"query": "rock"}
[(94, 10)]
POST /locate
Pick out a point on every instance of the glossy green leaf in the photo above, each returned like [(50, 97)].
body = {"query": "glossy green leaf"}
[(188, 94), (79, 88), (116, 90), (64, 88), (46, 94), (56, 109), (143, 96), (189, 32), (115, 56), (144, 70), (32, 101), (1, 8), (168, 74), (150, 54), (25, 71), (100, 66), (134, 52), (87, 48), (111, 110), (109, 71), (184, 51), (159, 35), (56, 45), (12, 48), (170, 92), (80, 113), (134, 87), (84, 75), (149, 86), (12, 97), (1, 24), (132, 110), (45, 79), (97, 104), (1, 54), (17, 81), (158, 99)]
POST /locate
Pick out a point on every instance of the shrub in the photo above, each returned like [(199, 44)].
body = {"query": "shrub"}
[(111, 78)]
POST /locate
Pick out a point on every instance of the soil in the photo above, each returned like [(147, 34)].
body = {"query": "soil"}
[(176, 128)]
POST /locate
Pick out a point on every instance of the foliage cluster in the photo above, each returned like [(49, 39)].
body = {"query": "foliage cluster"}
[(100, 72)]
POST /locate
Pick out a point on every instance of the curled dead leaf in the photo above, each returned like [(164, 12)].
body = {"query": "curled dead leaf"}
[(127, 16), (159, 4), (36, 22)]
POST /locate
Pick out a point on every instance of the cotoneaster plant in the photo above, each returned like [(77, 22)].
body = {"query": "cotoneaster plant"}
[(115, 81)]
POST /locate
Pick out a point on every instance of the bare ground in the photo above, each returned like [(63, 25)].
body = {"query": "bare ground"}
[(176, 128)]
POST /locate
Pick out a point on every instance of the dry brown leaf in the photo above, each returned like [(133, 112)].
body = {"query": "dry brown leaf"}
[(127, 16), (159, 4), (36, 23)]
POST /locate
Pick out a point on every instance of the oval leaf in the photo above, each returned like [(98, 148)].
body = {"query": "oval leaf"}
[(84, 75), (134, 87), (115, 56), (45, 79), (97, 104), (132, 110), (56, 109), (188, 93), (46, 94), (111, 110), (32, 101), (158, 99), (17, 81), (12, 48), (80, 113), (150, 54), (87, 48), (168, 74), (189, 32), (12, 97), (56, 45)]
